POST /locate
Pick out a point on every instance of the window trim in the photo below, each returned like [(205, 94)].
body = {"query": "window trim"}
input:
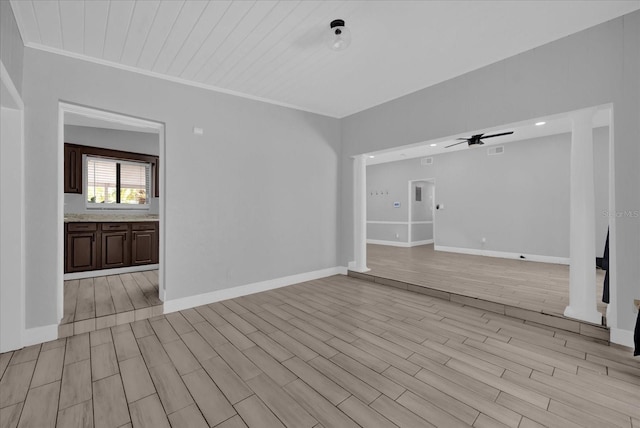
[(116, 205)]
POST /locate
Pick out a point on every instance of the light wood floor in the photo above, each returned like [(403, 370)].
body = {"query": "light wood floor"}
[(106, 301), (541, 287), (337, 352)]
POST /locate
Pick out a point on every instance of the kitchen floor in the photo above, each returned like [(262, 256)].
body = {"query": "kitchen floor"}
[(106, 301)]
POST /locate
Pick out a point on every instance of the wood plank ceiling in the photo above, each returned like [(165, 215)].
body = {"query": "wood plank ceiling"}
[(273, 50)]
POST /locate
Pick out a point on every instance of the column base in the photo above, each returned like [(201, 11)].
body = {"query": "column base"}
[(354, 267), (593, 317)]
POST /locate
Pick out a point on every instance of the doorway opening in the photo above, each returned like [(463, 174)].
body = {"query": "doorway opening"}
[(111, 215), (504, 200), (421, 212)]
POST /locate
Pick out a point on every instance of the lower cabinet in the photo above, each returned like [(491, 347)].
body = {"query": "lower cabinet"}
[(114, 246), (144, 245), (81, 252), (91, 246)]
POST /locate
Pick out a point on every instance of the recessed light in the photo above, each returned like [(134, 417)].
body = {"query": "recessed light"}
[(540, 123), (433, 145), (371, 157)]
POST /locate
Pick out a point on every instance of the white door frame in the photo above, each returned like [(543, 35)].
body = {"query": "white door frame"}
[(409, 206), (12, 260), (122, 119)]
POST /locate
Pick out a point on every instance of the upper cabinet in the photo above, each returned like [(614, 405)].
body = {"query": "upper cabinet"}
[(73, 165), (72, 168)]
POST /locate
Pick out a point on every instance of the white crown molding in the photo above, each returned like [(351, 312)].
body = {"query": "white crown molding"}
[(505, 255), (173, 79), (174, 305), (5, 78)]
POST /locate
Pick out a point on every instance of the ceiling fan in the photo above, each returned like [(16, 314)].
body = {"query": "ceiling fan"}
[(477, 139)]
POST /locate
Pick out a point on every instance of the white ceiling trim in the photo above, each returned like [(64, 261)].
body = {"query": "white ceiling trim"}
[(173, 79), (11, 90)]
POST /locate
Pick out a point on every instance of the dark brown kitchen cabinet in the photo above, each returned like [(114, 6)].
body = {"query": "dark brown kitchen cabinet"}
[(72, 168), (114, 246), (144, 244), (92, 246), (81, 247)]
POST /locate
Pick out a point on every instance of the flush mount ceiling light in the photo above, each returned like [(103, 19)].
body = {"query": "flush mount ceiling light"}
[(339, 36), (540, 123)]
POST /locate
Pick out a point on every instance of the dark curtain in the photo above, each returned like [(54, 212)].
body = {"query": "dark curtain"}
[(605, 266), (636, 337)]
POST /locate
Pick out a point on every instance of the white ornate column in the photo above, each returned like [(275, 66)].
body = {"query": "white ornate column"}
[(582, 276), (360, 213)]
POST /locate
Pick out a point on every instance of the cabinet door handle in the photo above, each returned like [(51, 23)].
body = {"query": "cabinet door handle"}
[(134, 236), (125, 236)]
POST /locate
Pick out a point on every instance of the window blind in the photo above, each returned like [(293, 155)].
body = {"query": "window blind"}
[(135, 179), (115, 181), (101, 180)]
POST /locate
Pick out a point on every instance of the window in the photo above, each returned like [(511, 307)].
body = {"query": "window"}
[(118, 183)]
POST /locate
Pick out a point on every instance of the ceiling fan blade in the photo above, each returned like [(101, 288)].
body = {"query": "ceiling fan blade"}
[(465, 139), (497, 135), (446, 147)]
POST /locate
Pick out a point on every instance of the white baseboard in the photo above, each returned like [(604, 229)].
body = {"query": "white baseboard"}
[(418, 243), (42, 334), (243, 290), (104, 272), (389, 243), (399, 244), (621, 337), (505, 255)]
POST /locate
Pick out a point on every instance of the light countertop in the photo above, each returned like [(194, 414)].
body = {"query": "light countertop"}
[(108, 217)]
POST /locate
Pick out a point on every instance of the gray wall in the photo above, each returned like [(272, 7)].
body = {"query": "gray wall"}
[(11, 46), (255, 198), (518, 201), (422, 210), (593, 67), (129, 141), (388, 232), (421, 232)]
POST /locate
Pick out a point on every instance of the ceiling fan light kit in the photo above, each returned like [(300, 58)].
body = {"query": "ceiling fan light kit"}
[(339, 37)]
